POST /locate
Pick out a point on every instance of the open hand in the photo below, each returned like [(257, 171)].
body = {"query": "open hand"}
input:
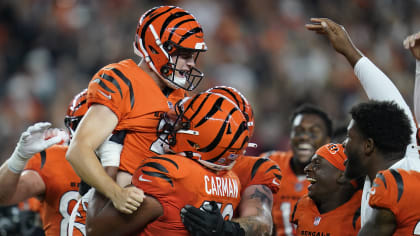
[(338, 37), (412, 42)]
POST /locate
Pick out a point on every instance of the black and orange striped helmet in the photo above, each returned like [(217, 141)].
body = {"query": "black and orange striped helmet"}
[(162, 33), (210, 129), (235, 96), (75, 111)]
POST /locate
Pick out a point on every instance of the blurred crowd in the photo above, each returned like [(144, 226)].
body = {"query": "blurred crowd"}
[(50, 49)]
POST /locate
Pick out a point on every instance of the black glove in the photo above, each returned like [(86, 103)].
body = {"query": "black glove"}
[(207, 221)]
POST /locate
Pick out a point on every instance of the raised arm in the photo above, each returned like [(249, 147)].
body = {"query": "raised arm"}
[(15, 184), (375, 83), (412, 43)]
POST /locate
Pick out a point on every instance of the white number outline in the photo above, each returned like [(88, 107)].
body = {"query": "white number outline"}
[(64, 206), (285, 209)]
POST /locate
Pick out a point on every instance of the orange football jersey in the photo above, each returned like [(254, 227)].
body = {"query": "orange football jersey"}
[(397, 191), (138, 102), (257, 171), (176, 181), (292, 188), (343, 221), (77, 222), (61, 188)]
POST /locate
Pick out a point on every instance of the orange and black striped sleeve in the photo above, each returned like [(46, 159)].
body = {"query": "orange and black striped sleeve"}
[(258, 171), (112, 87), (387, 190), (156, 175)]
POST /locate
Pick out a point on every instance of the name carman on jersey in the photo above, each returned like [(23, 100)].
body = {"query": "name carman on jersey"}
[(219, 186)]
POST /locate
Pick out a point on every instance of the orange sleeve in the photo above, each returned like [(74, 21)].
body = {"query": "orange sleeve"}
[(36, 162), (258, 171), (111, 88), (387, 190), (156, 176)]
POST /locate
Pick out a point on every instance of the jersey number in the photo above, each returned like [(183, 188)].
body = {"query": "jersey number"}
[(65, 201), (285, 208), (417, 229)]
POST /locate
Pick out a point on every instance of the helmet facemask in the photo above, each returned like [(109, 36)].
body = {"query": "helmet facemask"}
[(188, 79), (170, 124), (71, 123), (75, 112)]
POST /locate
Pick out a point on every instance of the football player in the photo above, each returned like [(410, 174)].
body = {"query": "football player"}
[(392, 196), (46, 174), (311, 128), (260, 178), (377, 87), (132, 97), (372, 145), (38, 168), (332, 206), (207, 133)]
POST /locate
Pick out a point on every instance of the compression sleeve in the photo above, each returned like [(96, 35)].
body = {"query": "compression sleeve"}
[(379, 87), (417, 92)]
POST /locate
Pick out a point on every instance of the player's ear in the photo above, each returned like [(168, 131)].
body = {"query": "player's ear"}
[(369, 146)]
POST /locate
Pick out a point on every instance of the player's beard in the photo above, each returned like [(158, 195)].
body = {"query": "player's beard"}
[(354, 168)]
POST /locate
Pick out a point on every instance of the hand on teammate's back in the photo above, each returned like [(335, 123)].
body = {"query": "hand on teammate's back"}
[(208, 221), (130, 199)]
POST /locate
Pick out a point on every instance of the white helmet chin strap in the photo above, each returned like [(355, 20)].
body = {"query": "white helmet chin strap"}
[(138, 53), (184, 131), (252, 145)]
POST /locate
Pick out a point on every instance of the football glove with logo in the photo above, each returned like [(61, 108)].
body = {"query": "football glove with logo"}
[(207, 221)]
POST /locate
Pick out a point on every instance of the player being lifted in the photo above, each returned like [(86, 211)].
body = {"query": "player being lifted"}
[(131, 97)]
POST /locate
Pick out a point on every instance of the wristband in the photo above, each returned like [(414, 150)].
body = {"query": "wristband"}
[(16, 162)]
